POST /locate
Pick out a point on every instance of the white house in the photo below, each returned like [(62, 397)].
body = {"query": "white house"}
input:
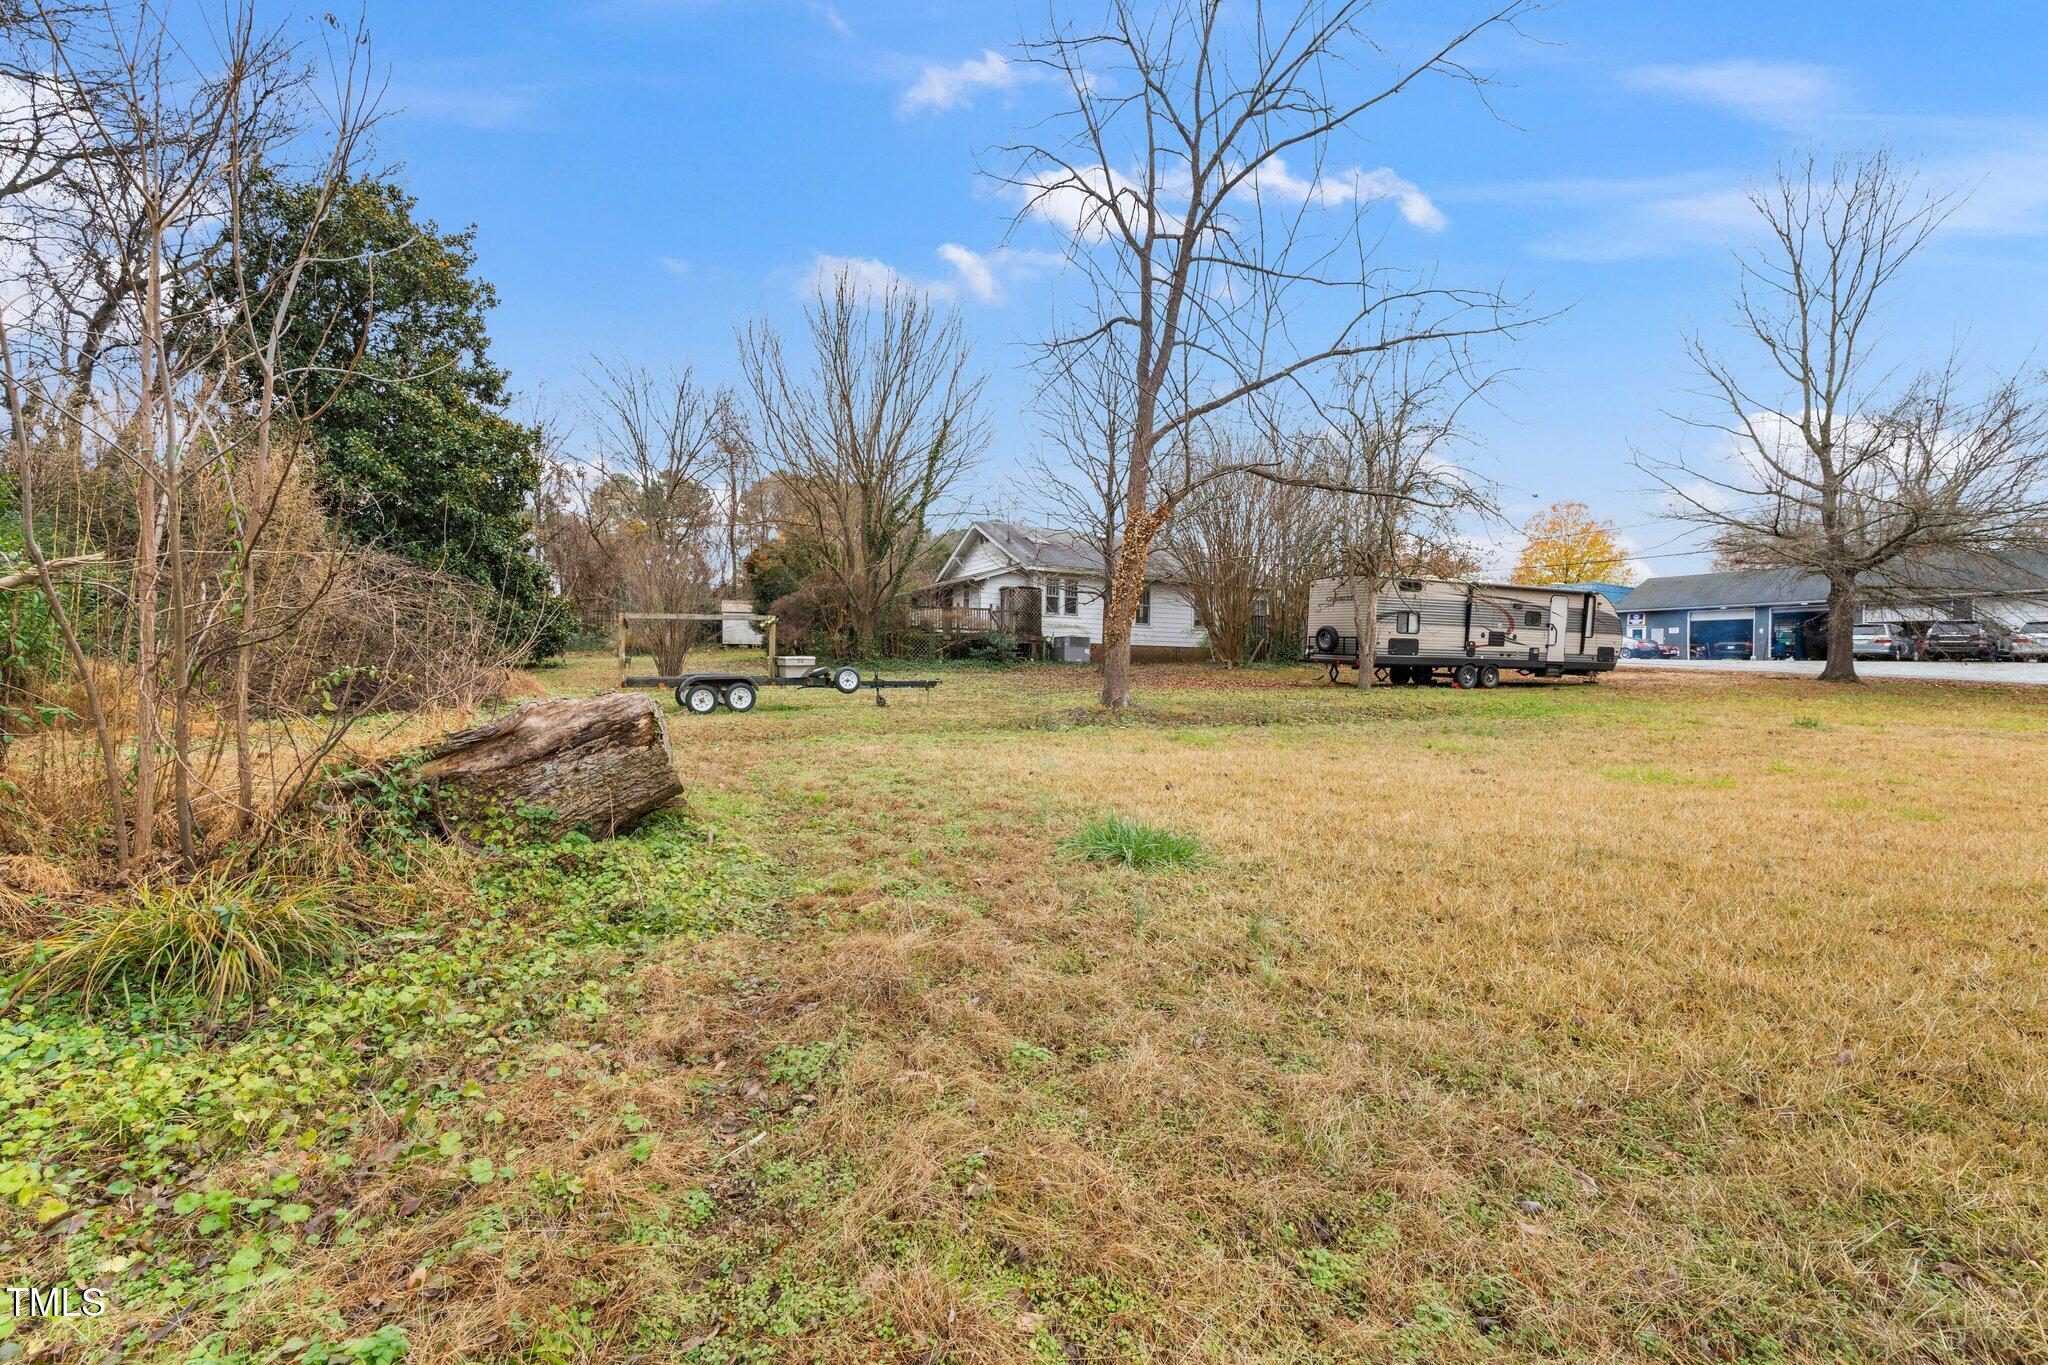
[(1000, 570)]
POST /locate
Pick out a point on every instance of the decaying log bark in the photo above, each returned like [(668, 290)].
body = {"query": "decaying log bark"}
[(599, 765)]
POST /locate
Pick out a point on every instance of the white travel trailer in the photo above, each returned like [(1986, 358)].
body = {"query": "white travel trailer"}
[(1466, 632)]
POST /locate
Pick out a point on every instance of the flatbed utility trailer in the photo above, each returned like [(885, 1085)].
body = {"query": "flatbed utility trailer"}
[(702, 693), (1466, 632)]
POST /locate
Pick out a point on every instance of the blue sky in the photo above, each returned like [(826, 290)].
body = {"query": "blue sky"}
[(645, 173)]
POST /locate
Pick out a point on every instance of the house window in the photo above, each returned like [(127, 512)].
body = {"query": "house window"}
[(1073, 591), (1145, 607), (1062, 597)]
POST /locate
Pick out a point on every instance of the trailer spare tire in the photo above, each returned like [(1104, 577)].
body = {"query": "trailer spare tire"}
[(1327, 640)]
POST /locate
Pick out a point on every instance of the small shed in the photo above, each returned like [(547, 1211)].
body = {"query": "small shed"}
[(740, 632)]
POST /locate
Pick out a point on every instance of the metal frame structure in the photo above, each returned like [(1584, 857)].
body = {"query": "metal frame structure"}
[(626, 618)]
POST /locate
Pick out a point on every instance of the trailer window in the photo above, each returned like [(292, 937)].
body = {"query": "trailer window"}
[(1532, 618), (1408, 623)]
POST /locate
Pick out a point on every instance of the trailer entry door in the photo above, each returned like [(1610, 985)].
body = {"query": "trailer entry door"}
[(1560, 622)]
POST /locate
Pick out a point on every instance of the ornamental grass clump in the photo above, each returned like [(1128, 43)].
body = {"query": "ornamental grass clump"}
[(216, 939), (1115, 839)]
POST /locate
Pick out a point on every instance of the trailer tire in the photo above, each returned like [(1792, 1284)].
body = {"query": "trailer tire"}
[(698, 700), (1327, 639), (1489, 676), (847, 681), (740, 697), (1466, 677)]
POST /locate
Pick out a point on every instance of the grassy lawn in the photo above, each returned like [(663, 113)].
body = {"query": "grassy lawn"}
[(1690, 1018)]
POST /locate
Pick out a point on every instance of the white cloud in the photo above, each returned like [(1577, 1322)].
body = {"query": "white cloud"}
[(976, 277), (1073, 200), (831, 15), (950, 87), (484, 110), (1771, 91), (674, 265), (974, 271), (1353, 186), (866, 274)]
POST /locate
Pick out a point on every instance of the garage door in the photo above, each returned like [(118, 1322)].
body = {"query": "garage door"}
[(1710, 628)]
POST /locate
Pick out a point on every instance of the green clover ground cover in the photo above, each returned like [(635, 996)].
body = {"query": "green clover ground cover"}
[(111, 1124)]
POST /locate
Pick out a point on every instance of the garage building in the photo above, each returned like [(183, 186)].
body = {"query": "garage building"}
[(1782, 613)]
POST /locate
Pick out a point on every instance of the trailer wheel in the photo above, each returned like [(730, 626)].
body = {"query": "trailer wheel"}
[(1327, 639), (1489, 676), (740, 696), (1466, 677), (847, 680), (700, 700)]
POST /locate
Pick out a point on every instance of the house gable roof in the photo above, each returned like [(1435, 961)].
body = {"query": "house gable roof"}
[(1039, 549)]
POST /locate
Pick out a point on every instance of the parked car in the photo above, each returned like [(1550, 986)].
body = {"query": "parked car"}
[(1731, 649), (2030, 641), (1883, 640), (1965, 640), (1647, 649)]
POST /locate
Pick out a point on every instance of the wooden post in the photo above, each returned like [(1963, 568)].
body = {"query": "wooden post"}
[(622, 651), (771, 646)]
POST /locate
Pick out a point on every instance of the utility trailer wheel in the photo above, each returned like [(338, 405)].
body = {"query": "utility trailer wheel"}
[(1466, 677), (700, 700), (847, 680), (740, 696), (1489, 676)]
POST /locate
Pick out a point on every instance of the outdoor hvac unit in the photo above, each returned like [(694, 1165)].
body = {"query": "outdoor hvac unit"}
[(1070, 649)]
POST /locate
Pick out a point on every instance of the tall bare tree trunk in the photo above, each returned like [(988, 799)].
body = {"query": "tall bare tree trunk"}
[(143, 608), (1120, 611), (1842, 602), (1365, 620)]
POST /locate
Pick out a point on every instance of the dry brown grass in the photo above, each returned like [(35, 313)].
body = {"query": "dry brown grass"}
[(1680, 1016), (1693, 1019)]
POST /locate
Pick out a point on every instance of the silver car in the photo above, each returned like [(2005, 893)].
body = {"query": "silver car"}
[(1883, 640), (2029, 641)]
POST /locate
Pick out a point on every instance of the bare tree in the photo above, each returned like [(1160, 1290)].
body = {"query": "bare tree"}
[(177, 397), (1079, 475), (739, 468), (1393, 424), (868, 438), (1248, 545), (1828, 463), (644, 518), (1191, 166)]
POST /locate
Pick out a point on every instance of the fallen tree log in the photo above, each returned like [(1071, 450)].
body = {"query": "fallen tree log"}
[(599, 765)]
